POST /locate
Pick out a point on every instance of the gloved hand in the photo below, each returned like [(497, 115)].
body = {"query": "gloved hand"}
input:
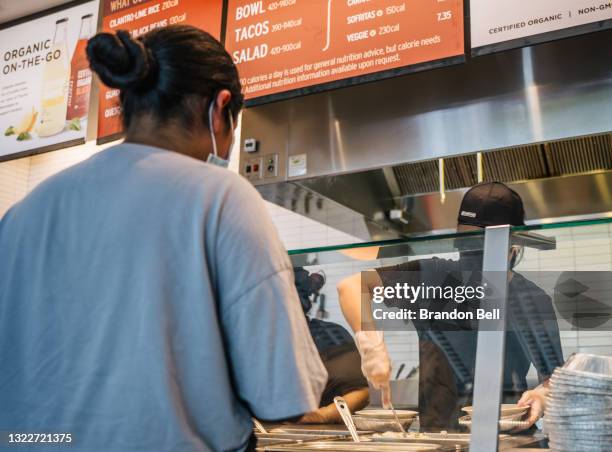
[(375, 362), (535, 399)]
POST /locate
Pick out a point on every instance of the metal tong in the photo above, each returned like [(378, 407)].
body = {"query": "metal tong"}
[(344, 411)]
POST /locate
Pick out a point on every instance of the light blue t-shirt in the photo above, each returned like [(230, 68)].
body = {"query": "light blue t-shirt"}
[(147, 304)]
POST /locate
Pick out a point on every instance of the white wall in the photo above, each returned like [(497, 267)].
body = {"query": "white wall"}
[(18, 177), (13, 182)]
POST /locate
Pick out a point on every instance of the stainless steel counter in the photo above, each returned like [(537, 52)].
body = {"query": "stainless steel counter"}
[(297, 437)]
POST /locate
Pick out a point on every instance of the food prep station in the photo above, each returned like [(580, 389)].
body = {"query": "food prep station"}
[(296, 438), (354, 257)]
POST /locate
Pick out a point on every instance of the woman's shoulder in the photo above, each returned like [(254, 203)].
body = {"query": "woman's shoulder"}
[(180, 168)]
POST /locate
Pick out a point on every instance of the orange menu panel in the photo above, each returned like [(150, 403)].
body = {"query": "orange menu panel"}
[(140, 16), (281, 45)]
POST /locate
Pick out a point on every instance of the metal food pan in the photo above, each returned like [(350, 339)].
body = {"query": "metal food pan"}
[(261, 437), (314, 431), (460, 439), (263, 443), (364, 446), (380, 425)]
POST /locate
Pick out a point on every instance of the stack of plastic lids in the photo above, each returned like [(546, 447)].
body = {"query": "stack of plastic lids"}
[(579, 406)]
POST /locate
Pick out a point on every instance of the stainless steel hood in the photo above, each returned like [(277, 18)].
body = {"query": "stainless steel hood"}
[(541, 116), (559, 158)]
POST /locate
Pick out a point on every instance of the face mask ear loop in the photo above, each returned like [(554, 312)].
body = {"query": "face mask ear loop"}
[(210, 126), (231, 121)]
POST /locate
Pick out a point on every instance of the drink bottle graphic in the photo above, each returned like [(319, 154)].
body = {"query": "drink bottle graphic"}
[(56, 76), (80, 75)]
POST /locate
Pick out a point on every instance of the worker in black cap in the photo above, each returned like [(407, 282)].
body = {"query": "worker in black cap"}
[(447, 350), (490, 204)]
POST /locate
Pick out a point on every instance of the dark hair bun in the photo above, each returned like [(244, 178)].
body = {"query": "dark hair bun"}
[(122, 62), (169, 73)]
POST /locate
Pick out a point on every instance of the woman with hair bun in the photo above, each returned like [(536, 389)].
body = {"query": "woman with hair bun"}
[(146, 301)]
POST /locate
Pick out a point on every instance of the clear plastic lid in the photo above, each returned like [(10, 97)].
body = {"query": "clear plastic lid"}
[(595, 365)]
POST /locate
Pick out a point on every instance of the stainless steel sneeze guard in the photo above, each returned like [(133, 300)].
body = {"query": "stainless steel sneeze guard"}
[(491, 343)]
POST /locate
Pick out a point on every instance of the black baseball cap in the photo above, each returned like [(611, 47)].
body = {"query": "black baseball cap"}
[(491, 204)]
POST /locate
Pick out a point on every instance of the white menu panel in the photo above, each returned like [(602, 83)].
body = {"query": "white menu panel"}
[(497, 21)]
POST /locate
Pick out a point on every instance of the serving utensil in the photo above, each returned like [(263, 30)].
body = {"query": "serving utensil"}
[(259, 426), (399, 371), (399, 424), (345, 413)]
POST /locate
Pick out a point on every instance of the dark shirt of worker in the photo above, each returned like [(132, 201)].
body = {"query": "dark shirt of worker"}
[(449, 347), (532, 338), (334, 343)]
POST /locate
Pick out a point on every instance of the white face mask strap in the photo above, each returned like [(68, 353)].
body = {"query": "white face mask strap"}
[(210, 126), (231, 121)]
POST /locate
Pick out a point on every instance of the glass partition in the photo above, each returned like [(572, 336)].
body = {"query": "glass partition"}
[(558, 303), (334, 305), (576, 276)]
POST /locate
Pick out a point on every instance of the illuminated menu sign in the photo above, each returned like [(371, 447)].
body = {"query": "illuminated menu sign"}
[(138, 17), (502, 21), (283, 45)]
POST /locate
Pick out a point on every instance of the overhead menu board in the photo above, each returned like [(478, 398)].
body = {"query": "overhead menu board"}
[(285, 45), (45, 81), (503, 24), (138, 17)]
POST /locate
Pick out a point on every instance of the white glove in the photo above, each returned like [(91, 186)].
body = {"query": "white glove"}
[(535, 399), (375, 362)]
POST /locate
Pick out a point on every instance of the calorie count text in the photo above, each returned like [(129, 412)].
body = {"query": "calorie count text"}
[(263, 28), (145, 12), (289, 47), (111, 94)]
